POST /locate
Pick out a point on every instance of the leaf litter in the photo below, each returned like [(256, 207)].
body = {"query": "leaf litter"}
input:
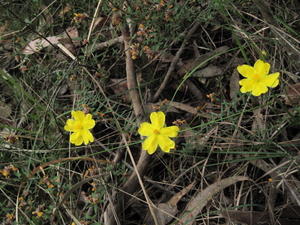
[(39, 44), (203, 91)]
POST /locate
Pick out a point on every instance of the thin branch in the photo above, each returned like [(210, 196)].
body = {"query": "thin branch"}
[(131, 78), (108, 43), (174, 62), (138, 111), (139, 169), (93, 21)]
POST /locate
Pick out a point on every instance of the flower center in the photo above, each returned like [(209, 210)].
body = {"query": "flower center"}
[(257, 77), (78, 126), (156, 132)]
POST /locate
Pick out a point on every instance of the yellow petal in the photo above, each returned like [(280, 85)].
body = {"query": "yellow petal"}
[(245, 70), (76, 138), (247, 85), (146, 129), (78, 115), (88, 122), (271, 80), (261, 67), (157, 119), (87, 137), (69, 125), (165, 143), (171, 131), (259, 89), (150, 144)]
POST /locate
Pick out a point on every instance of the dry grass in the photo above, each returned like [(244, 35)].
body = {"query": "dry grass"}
[(237, 156)]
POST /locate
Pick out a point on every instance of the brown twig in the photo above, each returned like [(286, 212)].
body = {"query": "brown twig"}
[(132, 183), (174, 62), (131, 78), (138, 111), (108, 43)]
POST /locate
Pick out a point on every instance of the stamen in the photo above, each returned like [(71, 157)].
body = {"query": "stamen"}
[(156, 132), (78, 126)]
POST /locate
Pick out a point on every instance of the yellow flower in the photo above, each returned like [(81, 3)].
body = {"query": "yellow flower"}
[(157, 134), (257, 78), (38, 213), (80, 124)]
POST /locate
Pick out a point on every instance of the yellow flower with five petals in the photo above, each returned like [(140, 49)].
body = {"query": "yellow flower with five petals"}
[(157, 133), (257, 78), (80, 125)]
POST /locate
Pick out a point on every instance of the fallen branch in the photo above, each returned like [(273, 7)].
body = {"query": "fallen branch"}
[(195, 206)]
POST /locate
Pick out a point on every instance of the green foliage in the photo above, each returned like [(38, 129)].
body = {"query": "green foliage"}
[(221, 139)]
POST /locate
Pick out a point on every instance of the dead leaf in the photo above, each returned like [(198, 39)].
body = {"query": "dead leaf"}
[(202, 60), (292, 96), (38, 44), (166, 211), (208, 72), (183, 107), (196, 204)]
